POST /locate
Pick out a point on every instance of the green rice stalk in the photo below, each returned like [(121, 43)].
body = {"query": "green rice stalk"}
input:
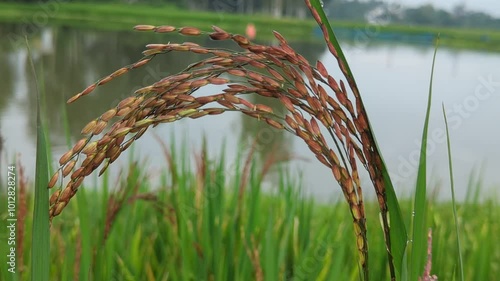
[(85, 224), (41, 238), (395, 234), (172, 98), (454, 204), (419, 237)]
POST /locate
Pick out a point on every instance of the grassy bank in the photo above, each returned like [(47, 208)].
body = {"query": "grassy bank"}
[(210, 225), (124, 17)]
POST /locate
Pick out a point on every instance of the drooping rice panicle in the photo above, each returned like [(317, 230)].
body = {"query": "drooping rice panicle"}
[(276, 72)]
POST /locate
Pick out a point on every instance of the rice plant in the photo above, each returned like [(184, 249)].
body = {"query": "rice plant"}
[(275, 72), (40, 236)]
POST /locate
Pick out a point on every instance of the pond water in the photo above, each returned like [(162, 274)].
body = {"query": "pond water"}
[(393, 78)]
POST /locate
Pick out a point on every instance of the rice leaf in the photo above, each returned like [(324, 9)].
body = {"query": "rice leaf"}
[(40, 237), (453, 202), (398, 233), (83, 216), (317, 5), (419, 237)]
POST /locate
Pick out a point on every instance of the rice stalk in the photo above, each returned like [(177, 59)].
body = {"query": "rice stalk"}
[(460, 268), (276, 72), (419, 220), (40, 253)]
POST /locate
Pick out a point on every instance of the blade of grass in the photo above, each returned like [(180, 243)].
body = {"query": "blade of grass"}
[(453, 202), (83, 216), (40, 239), (398, 233), (419, 237)]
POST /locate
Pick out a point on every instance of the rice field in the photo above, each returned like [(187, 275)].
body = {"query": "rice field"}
[(200, 224), (203, 223), (107, 16)]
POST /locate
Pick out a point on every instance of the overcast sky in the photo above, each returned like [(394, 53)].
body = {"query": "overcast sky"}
[(491, 7)]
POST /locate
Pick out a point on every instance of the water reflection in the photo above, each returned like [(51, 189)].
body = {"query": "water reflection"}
[(69, 59), (393, 79), (269, 141)]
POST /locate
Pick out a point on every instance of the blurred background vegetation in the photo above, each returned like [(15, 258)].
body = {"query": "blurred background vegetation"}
[(364, 11)]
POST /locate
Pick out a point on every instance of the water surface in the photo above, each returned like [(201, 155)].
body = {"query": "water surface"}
[(393, 78)]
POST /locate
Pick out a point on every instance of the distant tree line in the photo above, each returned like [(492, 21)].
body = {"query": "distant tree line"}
[(458, 17), (351, 10), (426, 15), (275, 8)]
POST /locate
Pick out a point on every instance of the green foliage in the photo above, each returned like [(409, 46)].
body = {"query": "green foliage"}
[(40, 236), (460, 267), (397, 231), (459, 17), (419, 227), (197, 230), (208, 226), (118, 16)]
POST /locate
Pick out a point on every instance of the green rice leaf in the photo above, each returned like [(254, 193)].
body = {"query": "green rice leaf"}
[(419, 237), (454, 205), (317, 5), (85, 234), (40, 239), (398, 233)]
